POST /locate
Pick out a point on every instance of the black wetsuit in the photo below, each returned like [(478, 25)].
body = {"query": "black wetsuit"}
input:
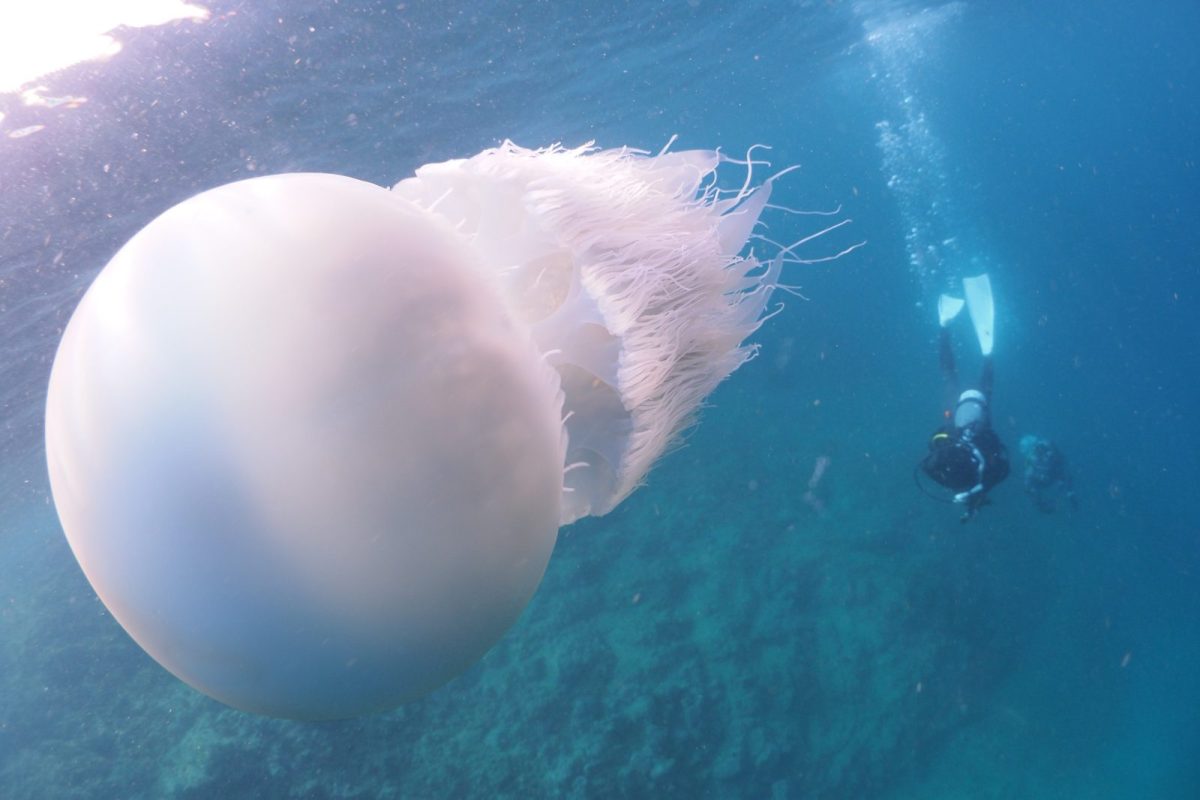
[(967, 460)]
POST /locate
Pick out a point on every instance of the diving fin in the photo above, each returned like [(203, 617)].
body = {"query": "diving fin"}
[(948, 308), (983, 313)]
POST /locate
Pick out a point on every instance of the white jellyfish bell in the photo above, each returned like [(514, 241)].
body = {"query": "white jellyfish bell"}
[(311, 440)]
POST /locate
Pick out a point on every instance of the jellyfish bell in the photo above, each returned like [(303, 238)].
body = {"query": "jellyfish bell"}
[(311, 440), (274, 428)]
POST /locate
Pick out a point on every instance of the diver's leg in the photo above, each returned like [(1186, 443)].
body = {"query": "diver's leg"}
[(949, 371), (985, 379)]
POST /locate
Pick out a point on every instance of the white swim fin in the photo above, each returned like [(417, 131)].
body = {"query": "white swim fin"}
[(948, 308), (983, 313)]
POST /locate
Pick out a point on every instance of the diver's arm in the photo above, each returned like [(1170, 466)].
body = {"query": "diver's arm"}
[(973, 497), (1068, 484)]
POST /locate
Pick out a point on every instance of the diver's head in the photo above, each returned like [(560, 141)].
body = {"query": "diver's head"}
[(1029, 444), (971, 409)]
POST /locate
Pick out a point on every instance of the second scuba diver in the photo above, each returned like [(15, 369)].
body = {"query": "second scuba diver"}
[(1046, 474)]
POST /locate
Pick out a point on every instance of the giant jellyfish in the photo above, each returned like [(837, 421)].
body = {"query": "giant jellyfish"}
[(311, 440)]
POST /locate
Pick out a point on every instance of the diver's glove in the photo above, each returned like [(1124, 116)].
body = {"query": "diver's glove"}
[(974, 501)]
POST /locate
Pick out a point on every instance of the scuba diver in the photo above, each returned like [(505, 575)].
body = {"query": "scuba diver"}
[(1046, 473), (965, 454)]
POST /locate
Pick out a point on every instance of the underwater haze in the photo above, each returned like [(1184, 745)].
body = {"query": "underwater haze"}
[(781, 611)]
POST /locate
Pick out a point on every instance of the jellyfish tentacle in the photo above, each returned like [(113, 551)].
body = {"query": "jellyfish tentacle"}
[(650, 251)]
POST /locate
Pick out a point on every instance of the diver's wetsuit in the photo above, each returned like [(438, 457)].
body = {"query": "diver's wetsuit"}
[(966, 456)]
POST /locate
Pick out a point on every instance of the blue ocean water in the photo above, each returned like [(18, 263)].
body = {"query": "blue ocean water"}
[(718, 635)]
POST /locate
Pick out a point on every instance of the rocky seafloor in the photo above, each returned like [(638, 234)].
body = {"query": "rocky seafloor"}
[(722, 634)]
